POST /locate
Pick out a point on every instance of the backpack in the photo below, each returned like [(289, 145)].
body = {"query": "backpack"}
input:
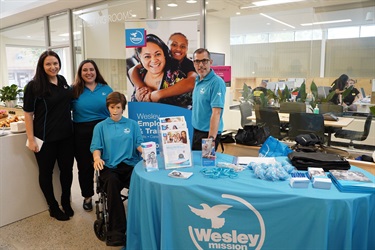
[(308, 140)]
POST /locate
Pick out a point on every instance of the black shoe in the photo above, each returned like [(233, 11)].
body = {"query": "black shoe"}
[(68, 210), (58, 214), (87, 205), (115, 242)]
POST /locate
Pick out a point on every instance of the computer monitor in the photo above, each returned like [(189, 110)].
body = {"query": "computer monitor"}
[(218, 59), (363, 92)]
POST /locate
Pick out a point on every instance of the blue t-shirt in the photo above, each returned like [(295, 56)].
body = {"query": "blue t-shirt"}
[(117, 141), (90, 105), (208, 93)]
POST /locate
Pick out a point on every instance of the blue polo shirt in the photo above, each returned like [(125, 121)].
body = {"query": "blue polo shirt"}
[(207, 94), (117, 141), (91, 105)]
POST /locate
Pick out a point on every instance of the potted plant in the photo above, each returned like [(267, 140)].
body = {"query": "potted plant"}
[(8, 95)]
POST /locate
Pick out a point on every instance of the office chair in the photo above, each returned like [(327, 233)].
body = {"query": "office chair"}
[(305, 123), (271, 120), (353, 135), (246, 110), (292, 107)]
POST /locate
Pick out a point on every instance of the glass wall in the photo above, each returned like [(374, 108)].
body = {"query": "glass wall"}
[(311, 40)]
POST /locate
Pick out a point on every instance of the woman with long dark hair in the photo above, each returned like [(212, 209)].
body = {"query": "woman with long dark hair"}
[(90, 91), (47, 101)]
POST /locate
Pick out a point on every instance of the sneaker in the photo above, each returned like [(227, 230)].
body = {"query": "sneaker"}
[(87, 205)]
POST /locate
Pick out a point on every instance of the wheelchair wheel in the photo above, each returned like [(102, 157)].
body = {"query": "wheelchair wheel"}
[(100, 230)]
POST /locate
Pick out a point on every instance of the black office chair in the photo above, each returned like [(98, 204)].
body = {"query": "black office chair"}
[(271, 120), (246, 110), (353, 135), (305, 123), (292, 107)]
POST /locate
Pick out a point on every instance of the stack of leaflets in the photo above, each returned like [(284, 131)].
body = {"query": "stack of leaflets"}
[(208, 153), (174, 140), (352, 181), (150, 161), (319, 178)]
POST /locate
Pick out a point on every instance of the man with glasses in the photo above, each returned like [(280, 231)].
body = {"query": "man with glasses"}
[(208, 101)]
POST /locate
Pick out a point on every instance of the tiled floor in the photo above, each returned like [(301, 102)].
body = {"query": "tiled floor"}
[(43, 232)]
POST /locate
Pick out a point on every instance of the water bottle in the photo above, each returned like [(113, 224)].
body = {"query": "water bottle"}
[(316, 109)]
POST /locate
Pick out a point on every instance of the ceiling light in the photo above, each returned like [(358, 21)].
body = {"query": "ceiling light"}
[(157, 8), (187, 16), (268, 3), (327, 22), (191, 1), (172, 4), (238, 13), (276, 20)]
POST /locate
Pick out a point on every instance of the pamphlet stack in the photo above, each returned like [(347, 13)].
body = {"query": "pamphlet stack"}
[(174, 142)]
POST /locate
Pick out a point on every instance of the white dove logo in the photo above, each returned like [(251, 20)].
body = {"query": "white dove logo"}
[(211, 213)]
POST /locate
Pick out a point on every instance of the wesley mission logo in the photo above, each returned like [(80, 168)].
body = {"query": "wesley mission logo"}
[(224, 220)]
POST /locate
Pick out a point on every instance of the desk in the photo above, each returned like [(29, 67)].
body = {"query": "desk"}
[(342, 122), (252, 213)]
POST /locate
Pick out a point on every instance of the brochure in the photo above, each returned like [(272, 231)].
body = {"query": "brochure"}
[(352, 181), (174, 141)]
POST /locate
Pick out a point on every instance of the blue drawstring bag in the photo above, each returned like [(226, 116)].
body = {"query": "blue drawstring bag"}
[(273, 147)]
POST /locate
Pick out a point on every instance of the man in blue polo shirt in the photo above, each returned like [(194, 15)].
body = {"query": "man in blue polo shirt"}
[(208, 101)]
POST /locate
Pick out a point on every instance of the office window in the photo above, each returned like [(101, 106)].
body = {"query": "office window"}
[(21, 62), (22, 46), (308, 35), (367, 31), (345, 32), (256, 38), (59, 29), (281, 37)]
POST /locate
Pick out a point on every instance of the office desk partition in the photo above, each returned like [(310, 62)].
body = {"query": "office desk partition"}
[(243, 213)]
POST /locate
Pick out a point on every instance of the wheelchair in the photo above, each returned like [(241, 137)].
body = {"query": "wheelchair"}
[(101, 209)]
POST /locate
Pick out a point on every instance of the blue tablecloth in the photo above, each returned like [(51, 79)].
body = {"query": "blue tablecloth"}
[(243, 213)]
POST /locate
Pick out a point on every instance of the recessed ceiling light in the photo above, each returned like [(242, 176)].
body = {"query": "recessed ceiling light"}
[(157, 8), (238, 13), (172, 4), (191, 1)]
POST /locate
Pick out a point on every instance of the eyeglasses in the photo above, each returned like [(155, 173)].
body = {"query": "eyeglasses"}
[(204, 61)]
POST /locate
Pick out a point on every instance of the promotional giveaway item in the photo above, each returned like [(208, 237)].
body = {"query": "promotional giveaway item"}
[(208, 153), (299, 180), (149, 156), (174, 140), (319, 178)]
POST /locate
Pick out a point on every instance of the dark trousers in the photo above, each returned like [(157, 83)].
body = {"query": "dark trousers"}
[(114, 180), (82, 141), (61, 151), (197, 139)]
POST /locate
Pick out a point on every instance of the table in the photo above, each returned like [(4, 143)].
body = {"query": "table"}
[(243, 213), (20, 194), (342, 122)]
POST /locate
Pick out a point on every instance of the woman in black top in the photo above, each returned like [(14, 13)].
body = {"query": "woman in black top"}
[(339, 87), (47, 101)]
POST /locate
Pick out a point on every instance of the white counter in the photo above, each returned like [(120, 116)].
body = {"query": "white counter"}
[(20, 194)]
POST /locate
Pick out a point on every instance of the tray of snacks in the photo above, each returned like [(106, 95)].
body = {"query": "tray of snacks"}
[(5, 124)]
